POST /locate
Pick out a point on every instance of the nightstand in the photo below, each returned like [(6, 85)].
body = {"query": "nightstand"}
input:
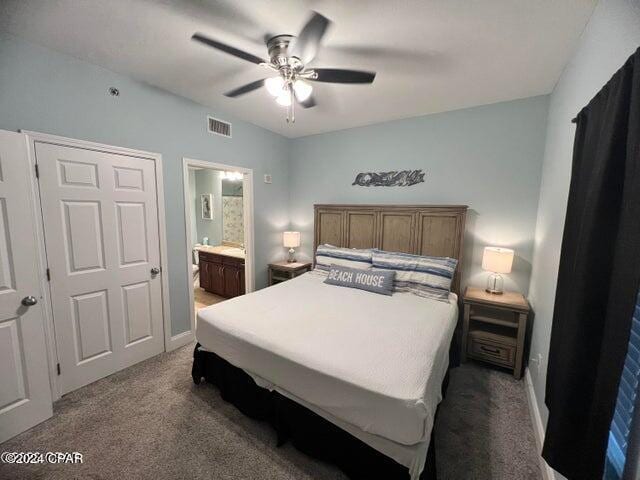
[(282, 271), (494, 328)]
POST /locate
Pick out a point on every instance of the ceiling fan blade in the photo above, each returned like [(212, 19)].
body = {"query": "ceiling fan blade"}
[(338, 75), (308, 103), (249, 87), (198, 37), (306, 45)]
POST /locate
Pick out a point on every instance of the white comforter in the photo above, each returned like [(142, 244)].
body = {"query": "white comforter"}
[(373, 361)]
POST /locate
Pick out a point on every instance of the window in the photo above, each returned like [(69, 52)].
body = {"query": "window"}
[(625, 405)]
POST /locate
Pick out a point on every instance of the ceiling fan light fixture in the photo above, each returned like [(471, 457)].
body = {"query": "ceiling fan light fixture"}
[(275, 86), (288, 57), (284, 98), (302, 89)]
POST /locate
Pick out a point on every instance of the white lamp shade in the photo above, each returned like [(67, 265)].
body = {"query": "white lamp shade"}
[(274, 85), (303, 90), (284, 98), (291, 239), (498, 260)]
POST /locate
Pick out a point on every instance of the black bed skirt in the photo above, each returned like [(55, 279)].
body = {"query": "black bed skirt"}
[(306, 430)]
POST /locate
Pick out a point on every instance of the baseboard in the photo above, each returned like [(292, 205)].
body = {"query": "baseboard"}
[(180, 340), (538, 428)]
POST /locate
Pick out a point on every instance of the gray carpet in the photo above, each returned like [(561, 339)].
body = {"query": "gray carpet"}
[(151, 422)]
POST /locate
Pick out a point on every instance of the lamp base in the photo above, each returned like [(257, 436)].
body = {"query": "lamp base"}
[(494, 284), (292, 257), (494, 292)]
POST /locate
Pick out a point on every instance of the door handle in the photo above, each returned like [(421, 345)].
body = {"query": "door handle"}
[(29, 301), (155, 271)]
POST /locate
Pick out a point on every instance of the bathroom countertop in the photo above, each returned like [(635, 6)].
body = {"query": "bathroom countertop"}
[(225, 250)]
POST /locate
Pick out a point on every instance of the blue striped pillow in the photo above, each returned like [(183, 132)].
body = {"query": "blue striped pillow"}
[(327, 255), (424, 276)]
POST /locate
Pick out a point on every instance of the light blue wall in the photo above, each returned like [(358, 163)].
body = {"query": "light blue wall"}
[(488, 158), (613, 33), (209, 181), (49, 92)]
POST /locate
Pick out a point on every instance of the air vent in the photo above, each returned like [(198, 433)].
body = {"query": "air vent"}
[(219, 127)]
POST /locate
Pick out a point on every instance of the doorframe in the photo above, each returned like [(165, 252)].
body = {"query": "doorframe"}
[(247, 207), (35, 137)]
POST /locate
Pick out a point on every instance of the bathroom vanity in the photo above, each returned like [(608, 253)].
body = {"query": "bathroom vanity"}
[(222, 270)]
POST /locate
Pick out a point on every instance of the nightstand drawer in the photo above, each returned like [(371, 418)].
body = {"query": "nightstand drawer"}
[(492, 348)]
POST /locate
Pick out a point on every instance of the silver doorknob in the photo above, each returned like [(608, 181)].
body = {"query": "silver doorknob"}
[(29, 301), (155, 271)]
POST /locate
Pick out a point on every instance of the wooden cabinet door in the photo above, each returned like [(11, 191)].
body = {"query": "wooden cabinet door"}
[(217, 279), (230, 278), (205, 275), (222, 276), (241, 284)]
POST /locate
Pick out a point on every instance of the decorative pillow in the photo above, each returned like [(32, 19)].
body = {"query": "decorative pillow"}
[(328, 255), (421, 275), (376, 281)]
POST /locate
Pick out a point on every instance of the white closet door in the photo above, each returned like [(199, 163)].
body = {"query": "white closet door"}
[(101, 232), (25, 393)]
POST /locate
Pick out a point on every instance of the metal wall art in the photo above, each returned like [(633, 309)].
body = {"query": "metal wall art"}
[(403, 178)]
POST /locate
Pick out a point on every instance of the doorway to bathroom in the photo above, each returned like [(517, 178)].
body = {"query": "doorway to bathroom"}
[(219, 232)]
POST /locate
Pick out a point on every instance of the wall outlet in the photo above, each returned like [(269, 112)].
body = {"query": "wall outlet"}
[(537, 361), (267, 178)]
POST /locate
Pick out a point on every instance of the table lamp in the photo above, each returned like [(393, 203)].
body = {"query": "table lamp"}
[(291, 240), (496, 260)]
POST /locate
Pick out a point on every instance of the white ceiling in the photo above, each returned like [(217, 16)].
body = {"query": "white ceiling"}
[(430, 55)]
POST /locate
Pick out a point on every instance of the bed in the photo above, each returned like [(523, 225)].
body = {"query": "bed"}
[(347, 375)]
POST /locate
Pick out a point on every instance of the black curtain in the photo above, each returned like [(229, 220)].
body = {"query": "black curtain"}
[(597, 280)]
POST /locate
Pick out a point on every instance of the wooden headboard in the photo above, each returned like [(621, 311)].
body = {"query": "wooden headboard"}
[(436, 230)]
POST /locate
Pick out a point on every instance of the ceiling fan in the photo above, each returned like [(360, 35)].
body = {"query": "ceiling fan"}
[(290, 56)]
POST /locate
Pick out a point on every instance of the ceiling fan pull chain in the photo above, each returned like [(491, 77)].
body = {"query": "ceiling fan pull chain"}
[(291, 115), (293, 106)]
